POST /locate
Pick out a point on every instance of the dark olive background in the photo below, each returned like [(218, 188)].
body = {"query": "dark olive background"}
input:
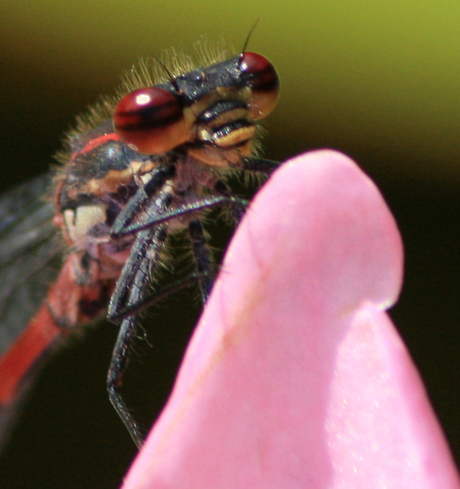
[(376, 80)]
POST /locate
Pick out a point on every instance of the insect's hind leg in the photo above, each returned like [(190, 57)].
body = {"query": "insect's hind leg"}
[(130, 301), (202, 256), (117, 368), (132, 288)]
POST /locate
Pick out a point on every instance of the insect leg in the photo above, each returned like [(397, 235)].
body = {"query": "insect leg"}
[(158, 295), (131, 288), (117, 368), (236, 210), (202, 257), (153, 236), (259, 165), (141, 198), (199, 205)]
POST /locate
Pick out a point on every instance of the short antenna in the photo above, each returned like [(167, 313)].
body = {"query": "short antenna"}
[(249, 36), (172, 78)]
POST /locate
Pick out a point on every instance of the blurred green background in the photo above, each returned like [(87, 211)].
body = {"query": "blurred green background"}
[(377, 80)]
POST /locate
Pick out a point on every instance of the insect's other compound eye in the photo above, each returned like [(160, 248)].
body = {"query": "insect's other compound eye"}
[(150, 120), (261, 76)]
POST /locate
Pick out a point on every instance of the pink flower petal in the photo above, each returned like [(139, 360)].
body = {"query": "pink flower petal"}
[(295, 376)]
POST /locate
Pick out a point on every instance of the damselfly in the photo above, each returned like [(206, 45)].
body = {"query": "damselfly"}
[(136, 170)]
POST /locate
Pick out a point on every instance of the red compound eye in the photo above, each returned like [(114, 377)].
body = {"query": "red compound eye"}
[(150, 120), (263, 79)]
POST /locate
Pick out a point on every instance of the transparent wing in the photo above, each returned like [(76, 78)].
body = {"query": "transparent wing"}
[(30, 255)]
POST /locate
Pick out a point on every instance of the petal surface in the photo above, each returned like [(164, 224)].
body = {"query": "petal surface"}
[(295, 376)]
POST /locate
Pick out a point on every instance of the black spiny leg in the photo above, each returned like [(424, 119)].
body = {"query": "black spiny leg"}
[(154, 217), (132, 288), (202, 258), (237, 210), (117, 368), (259, 165), (125, 222)]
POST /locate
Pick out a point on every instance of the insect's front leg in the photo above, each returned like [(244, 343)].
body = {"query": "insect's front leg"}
[(125, 223), (199, 204)]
